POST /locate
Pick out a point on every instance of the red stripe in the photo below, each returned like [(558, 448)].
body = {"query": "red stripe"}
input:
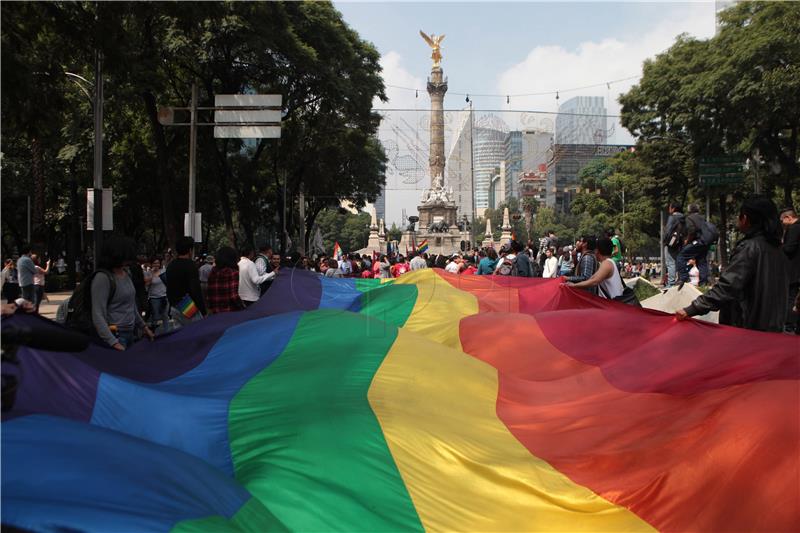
[(724, 459)]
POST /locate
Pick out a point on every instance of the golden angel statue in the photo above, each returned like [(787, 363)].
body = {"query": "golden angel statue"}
[(433, 41)]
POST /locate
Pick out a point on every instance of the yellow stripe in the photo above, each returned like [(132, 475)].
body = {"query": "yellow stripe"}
[(463, 468), (439, 307)]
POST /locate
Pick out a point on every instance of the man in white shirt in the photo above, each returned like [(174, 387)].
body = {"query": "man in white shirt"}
[(454, 266), (249, 280), (417, 262)]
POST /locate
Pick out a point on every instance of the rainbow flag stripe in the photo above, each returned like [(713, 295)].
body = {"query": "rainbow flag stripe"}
[(422, 247), (431, 402), (187, 307)]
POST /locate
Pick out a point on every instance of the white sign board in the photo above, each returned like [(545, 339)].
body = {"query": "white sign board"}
[(247, 132), (108, 210), (198, 227), (266, 100), (247, 115)]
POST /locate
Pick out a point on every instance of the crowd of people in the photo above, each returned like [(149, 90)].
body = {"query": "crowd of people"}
[(131, 297)]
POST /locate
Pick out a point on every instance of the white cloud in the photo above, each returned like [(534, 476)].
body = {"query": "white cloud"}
[(394, 73), (552, 67)]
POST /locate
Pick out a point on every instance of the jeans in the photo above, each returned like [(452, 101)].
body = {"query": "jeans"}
[(158, 313), (125, 338), (697, 251), (670, 257), (38, 293), (28, 293)]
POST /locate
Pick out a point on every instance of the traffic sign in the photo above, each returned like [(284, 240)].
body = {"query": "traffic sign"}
[(721, 170), (247, 116)]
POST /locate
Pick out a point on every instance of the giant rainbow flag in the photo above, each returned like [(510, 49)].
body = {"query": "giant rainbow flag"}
[(430, 402)]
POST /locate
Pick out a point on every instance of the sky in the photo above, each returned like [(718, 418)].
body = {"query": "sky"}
[(507, 49)]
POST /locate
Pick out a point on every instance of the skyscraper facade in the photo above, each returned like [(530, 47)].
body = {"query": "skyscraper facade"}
[(458, 170), (582, 120), (513, 160), (489, 150), (566, 164)]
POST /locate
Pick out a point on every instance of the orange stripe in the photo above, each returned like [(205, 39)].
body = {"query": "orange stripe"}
[(723, 459)]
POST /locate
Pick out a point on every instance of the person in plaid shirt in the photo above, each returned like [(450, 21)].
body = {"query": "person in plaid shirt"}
[(223, 282)]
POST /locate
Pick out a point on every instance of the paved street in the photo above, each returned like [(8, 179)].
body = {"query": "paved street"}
[(49, 307)]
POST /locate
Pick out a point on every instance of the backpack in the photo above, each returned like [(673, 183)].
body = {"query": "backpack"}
[(709, 233), (508, 267), (678, 235), (79, 309)]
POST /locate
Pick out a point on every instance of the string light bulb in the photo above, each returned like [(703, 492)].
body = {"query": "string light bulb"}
[(466, 99), (416, 93), (508, 99), (556, 95)]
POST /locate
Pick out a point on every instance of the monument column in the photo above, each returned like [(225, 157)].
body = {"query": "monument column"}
[(437, 86)]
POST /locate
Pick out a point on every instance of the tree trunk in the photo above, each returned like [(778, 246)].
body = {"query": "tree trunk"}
[(37, 170), (162, 169)]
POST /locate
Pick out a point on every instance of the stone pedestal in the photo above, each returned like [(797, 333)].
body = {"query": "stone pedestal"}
[(408, 241), (505, 237)]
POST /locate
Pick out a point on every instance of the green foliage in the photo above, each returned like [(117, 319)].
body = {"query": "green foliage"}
[(394, 233), (349, 230), (153, 52), (738, 92)]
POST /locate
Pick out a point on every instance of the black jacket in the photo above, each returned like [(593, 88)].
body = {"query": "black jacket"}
[(791, 247), (752, 290), (694, 226)]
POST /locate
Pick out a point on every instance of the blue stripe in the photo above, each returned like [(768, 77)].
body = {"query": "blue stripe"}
[(190, 412), (340, 293), (62, 475)]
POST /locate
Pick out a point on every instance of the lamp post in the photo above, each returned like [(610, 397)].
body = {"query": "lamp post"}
[(96, 99)]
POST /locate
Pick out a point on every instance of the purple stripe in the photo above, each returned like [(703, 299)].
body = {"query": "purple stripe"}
[(66, 384)]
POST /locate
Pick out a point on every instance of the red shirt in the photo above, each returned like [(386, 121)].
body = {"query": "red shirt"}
[(398, 269), (223, 290), (469, 270)]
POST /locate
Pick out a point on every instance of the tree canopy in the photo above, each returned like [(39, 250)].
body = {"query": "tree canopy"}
[(153, 52)]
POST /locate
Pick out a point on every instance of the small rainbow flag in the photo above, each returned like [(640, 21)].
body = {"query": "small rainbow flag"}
[(422, 247), (187, 307), (337, 252)]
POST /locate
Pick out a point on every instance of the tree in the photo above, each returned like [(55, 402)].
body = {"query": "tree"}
[(738, 92), (394, 233), (327, 75)]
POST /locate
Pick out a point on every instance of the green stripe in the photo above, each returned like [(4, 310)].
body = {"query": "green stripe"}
[(304, 439), (251, 517), (388, 302)]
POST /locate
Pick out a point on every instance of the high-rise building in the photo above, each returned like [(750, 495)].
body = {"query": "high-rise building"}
[(458, 168), (489, 150), (513, 160), (564, 166), (582, 120)]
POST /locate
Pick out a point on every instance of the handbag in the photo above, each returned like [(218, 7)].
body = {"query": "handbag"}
[(627, 297)]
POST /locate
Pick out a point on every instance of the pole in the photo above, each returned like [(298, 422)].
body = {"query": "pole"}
[(661, 241), (283, 229), (28, 199), (472, 167), (755, 166), (192, 160), (623, 211), (98, 156)]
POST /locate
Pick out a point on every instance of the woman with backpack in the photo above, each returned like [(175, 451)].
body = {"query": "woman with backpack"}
[(113, 296)]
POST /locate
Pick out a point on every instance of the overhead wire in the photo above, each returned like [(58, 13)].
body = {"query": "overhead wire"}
[(508, 96)]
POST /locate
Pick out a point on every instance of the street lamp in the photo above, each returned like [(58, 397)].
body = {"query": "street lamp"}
[(97, 104)]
